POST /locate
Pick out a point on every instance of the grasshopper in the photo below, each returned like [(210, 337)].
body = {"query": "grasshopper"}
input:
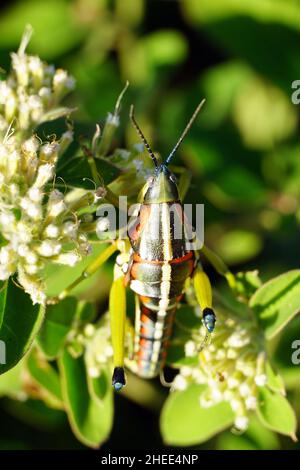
[(156, 268)]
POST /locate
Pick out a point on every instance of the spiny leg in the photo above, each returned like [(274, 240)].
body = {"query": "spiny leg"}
[(117, 311)]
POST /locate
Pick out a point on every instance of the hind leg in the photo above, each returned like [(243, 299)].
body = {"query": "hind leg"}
[(117, 311), (203, 293)]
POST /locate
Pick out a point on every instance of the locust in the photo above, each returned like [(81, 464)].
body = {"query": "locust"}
[(156, 263)]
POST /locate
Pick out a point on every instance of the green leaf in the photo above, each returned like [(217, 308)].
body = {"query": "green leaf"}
[(55, 31), (229, 441), (275, 412), (282, 11), (165, 47), (187, 319), (21, 323), (46, 378), (274, 380), (37, 415), (257, 437), (220, 85), (291, 377), (11, 381), (239, 185), (130, 13), (277, 301), (90, 418), (238, 246), (226, 22), (100, 387), (127, 184), (184, 422), (176, 357), (262, 437), (263, 114), (228, 303), (86, 312), (76, 172), (57, 324), (58, 277), (247, 282)]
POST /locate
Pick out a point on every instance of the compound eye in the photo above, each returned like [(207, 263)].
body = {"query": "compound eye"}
[(173, 178), (150, 180)]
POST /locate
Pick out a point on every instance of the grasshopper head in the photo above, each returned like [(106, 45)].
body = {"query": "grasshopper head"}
[(161, 187)]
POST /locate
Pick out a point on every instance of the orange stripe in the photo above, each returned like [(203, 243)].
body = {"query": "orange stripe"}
[(188, 256)]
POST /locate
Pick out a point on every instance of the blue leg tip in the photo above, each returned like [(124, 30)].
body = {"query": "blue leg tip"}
[(209, 319), (118, 379), (118, 386)]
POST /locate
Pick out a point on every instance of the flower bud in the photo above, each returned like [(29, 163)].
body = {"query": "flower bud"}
[(20, 66), (36, 69), (51, 231), (45, 173), (241, 423), (49, 248), (35, 194), (70, 259), (11, 105), (30, 146), (65, 140), (49, 152), (62, 83)]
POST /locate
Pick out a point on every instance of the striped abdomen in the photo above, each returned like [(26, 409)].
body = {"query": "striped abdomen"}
[(160, 266), (153, 330)]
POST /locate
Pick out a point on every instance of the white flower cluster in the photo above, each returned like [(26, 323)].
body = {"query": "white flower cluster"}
[(31, 90), (36, 223), (232, 366), (99, 351)]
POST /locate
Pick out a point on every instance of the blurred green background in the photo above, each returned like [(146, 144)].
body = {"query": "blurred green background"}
[(243, 150)]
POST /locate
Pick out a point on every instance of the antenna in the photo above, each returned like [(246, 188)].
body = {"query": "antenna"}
[(131, 115), (189, 125)]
